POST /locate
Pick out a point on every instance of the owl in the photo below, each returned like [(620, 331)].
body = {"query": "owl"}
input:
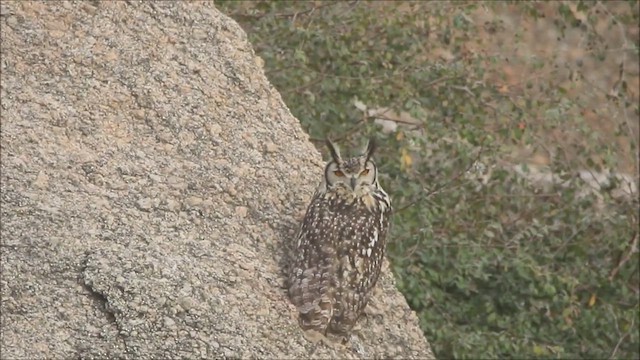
[(340, 246)]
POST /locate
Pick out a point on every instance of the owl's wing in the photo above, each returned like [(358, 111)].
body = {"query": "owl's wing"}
[(360, 262), (311, 281)]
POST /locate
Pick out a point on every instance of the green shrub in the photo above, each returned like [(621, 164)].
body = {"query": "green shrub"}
[(495, 264)]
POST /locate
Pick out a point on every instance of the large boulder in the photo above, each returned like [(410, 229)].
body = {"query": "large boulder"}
[(151, 178)]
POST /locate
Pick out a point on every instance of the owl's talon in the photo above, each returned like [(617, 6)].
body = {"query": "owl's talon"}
[(313, 336)]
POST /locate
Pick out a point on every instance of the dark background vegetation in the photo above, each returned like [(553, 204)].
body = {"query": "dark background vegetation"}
[(509, 147)]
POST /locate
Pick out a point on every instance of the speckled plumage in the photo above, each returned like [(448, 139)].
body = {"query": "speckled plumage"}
[(340, 246)]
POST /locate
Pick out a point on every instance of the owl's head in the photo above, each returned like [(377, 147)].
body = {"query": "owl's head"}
[(357, 174)]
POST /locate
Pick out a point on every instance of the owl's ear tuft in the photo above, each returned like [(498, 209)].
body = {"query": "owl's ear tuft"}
[(333, 149), (371, 148)]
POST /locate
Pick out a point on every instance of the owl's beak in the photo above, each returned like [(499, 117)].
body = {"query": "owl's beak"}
[(353, 183)]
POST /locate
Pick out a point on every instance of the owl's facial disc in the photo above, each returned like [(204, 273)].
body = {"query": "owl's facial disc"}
[(354, 175)]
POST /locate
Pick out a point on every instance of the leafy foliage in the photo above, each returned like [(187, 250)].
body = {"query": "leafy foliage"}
[(496, 263)]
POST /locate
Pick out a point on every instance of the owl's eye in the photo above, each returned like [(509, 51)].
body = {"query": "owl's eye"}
[(338, 173), (364, 172)]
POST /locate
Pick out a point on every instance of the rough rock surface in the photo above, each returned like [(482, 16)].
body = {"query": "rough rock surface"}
[(151, 178)]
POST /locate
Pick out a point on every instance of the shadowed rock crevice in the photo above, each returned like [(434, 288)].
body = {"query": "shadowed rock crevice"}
[(100, 301), (151, 178)]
